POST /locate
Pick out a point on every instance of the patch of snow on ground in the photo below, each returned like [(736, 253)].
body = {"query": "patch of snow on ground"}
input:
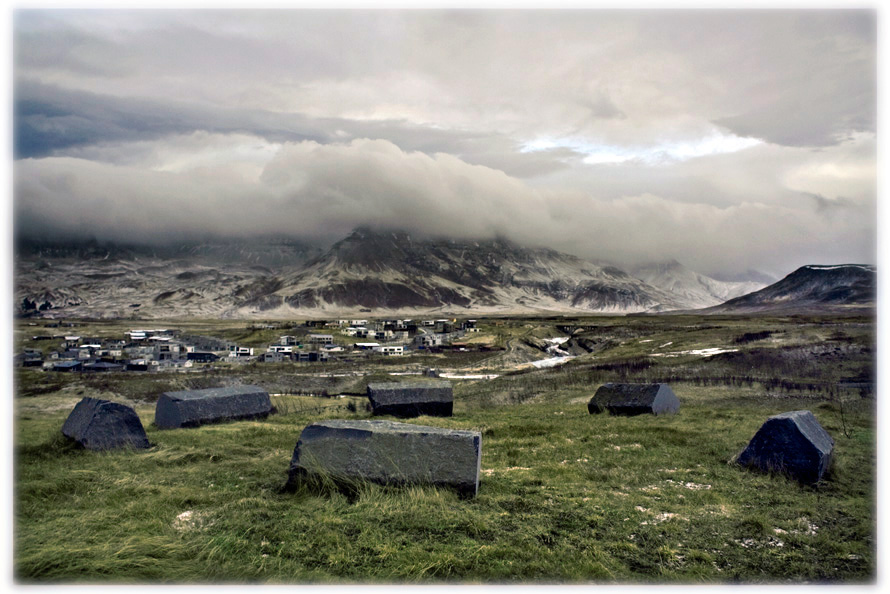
[(700, 352), (551, 362), (486, 376), (554, 349)]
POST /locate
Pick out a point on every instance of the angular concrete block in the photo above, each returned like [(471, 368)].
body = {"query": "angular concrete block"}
[(411, 399), (634, 399), (387, 452), (104, 425), (190, 408), (793, 443)]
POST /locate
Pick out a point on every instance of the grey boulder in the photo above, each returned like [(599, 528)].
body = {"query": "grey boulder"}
[(191, 408), (387, 452), (104, 425), (634, 399), (793, 443), (434, 398)]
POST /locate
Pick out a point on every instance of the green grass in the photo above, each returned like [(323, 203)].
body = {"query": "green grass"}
[(565, 497)]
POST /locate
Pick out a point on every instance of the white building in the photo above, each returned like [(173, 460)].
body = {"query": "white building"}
[(278, 348), (366, 346), (390, 351)]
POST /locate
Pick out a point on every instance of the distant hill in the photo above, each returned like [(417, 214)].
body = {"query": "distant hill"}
[(810, 288)]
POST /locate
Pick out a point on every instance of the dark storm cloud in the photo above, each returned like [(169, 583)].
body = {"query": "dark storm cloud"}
[(53, 121), (49, 119)]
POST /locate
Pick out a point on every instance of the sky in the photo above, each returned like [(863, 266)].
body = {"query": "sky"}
[(727, 140)]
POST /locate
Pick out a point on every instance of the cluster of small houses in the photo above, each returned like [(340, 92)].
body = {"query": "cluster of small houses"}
[(166, 350), (386, 452)]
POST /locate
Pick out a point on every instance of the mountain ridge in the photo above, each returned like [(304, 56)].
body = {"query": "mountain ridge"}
[(387, 272), (829, 287)]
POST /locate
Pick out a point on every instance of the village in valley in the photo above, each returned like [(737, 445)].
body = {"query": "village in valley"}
[(166, 349)]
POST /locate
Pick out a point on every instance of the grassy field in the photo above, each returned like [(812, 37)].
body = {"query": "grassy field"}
[(565, 497)]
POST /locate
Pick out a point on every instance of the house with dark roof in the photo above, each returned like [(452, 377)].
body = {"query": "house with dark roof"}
[(68, 366), (202, 357), (103, 366)]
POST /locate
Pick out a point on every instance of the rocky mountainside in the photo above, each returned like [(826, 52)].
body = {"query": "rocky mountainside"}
[(89, 279), (394, 271), (813, 287), (694, 290), (382, 272), (385, 273)]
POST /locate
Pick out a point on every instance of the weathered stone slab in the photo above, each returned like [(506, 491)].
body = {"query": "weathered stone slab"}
[(104, 425), (190, 408), (387, 452), (793, 443), (634, 399), (411, 399)]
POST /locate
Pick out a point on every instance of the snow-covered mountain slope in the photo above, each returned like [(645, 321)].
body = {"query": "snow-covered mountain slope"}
[(811, 287), (690, 288)]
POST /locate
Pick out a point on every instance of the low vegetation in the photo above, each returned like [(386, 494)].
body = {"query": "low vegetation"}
[(565, 497)]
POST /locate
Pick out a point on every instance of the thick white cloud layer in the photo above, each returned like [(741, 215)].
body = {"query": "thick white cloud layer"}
[(242, 186), (725, 139)]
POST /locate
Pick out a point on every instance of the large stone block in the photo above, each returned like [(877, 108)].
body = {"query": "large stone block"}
[(190, 408), (793, 443), (387, 452), (634, 399), (411, 399), (104, 425)]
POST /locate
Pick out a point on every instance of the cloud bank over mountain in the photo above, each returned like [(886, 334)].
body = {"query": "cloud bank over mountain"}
[(728, 140)]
